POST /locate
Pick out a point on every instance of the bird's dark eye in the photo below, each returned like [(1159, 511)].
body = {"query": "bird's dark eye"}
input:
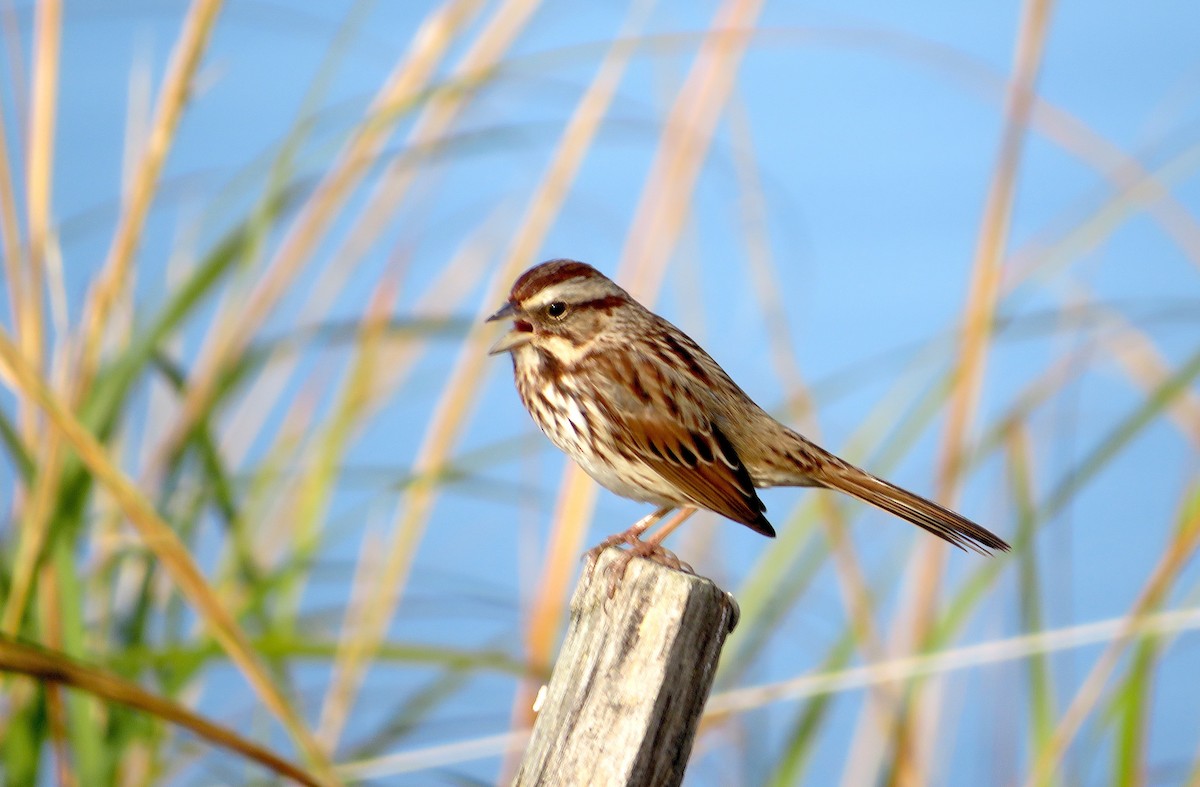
[(556, 309)]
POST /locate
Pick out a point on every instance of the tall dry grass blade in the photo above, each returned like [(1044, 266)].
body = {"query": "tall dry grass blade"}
[(233, 331), (317, 486), (185, 59), (12, 31), (852, 582), (367, 576), (978, 319), (39, 178), (29, 324), (683, 148), (27, 286), (10, 233), (160, 539), (31, 540), (764, 274), (1181, 549), (984, 294), (57, 669)]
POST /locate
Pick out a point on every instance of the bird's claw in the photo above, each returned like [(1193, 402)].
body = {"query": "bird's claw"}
[(592, 556), (649, 550)]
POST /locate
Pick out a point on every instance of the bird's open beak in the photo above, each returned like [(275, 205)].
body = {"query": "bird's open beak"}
[(520, 332), (507, 312)]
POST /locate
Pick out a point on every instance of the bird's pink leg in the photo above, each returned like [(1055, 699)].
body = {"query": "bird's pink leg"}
[(631, 536), (674, 522), (651, 548)]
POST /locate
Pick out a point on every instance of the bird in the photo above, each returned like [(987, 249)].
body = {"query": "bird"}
[(649, 415)]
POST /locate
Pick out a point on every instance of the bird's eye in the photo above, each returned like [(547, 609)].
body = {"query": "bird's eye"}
[(556, 309)]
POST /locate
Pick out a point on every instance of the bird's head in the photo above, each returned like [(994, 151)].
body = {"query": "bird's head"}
[(560, 307)]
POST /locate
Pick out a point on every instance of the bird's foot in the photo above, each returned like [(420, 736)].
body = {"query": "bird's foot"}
[(592, 555), (651, 550)]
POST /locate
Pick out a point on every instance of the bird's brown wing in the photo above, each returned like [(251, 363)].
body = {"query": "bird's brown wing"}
[(701, 464), (658, 403)]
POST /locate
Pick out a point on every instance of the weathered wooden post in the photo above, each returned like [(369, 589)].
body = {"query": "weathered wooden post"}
[(631, 679)]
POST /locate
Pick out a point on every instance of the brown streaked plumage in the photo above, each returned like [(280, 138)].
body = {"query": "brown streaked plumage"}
[(651, 416)]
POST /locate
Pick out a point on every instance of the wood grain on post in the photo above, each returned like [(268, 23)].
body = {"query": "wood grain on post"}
[(631, 679)]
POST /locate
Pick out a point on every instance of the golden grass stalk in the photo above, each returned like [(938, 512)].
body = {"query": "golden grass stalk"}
[(762, 265), (367, 576), (852, 583), (32, 537), (314, 492), (409, 523), (985, 290), (185, 59), (978, 321), (160, 539), (683, 149), (10, 236), (39, 175)]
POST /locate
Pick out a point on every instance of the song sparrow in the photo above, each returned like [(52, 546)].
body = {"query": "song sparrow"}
[(652, 417)]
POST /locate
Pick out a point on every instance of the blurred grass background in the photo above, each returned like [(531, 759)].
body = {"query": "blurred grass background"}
[(270, 509)]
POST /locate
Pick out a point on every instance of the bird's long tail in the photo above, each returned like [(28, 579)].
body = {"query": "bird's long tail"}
[(940, 521)]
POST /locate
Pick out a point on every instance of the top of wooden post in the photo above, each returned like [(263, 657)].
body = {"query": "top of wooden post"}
[(631, 679)]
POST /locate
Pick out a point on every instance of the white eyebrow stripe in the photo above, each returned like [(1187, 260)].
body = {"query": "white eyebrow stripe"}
[(571, 291)]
